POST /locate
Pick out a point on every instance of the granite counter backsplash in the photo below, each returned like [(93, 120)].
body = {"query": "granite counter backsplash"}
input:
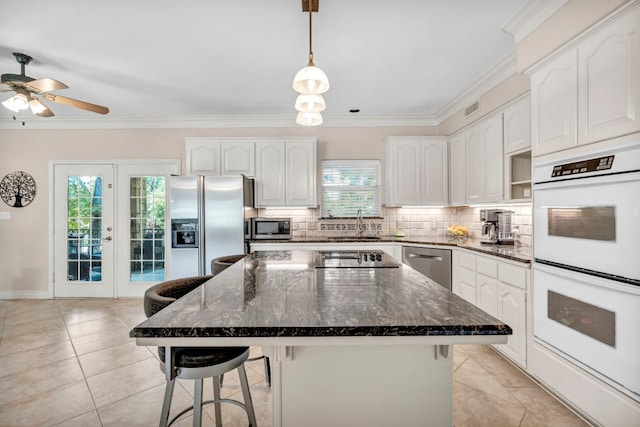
[(520, 253)]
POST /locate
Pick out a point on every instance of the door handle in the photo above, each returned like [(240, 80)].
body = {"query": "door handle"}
[(107, 238), (437, 258)]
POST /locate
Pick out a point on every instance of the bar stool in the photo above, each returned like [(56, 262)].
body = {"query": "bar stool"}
[(218, 265), (197, 363)]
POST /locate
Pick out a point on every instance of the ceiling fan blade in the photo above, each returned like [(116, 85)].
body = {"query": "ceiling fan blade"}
[(45, 85), (39, 109), (75, 103)]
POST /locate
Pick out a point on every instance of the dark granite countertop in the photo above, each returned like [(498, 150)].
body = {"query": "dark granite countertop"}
[(520, 254), (282, 294)]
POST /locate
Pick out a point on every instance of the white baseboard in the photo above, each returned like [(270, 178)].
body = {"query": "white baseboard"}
[(24, 295)]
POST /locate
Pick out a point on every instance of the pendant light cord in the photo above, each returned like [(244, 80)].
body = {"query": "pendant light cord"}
[(310, 64)]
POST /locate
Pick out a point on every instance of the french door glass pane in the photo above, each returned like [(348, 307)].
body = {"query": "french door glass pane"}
[(147, 219), (84, 228)]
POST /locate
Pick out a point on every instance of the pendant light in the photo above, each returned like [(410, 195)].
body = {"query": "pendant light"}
[(310, 82), (309, 119)]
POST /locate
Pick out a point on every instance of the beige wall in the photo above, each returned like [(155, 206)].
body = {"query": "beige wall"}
[(513, 87), (24, 239)]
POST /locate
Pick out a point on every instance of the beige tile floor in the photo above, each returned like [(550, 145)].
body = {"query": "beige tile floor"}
[(71, 363)]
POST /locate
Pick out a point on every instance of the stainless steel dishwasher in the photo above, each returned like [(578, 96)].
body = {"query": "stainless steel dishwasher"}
[(433, 263)]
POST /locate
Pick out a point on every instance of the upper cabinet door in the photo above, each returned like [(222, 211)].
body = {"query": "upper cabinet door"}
[(434, 172), (517, 125), (493, 149), (554, 91), (475, 164), (301, 177), (457, 174), (609, 81), (213, 156), (238, 158), (406, 171), (203, 158), (270, 173)]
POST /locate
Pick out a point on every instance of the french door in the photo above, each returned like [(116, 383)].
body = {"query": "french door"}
[(109, 228)]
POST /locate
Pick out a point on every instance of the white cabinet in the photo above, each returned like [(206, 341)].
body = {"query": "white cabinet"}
[(487, 291), (517, 125), (609, 81), (220, 156), (417, 173), (518, 175), (237, 158), (499, 288), (286, 173), (554, 93), (463, 275), (457, 170), (516, 122), (484, 148), (511, 305), (589, 91)]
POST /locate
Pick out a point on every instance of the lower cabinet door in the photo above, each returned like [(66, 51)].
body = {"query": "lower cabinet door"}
[(512, 311), (487, 289)]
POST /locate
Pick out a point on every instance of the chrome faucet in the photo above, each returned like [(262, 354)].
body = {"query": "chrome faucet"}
[(359, 223)]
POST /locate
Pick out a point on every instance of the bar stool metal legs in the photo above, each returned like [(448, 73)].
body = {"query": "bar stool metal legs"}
[(198, 375)]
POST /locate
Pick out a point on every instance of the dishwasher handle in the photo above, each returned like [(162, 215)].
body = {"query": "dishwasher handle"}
[(437, 258)]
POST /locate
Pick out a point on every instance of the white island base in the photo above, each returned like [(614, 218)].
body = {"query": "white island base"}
[(363, 385)]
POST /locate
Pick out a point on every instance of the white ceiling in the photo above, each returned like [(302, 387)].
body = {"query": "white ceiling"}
[(157, 59)]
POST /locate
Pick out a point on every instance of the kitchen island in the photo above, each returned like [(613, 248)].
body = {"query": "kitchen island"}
[(350, 346)]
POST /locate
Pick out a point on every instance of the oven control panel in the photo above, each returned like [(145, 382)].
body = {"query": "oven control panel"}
[(584, 166)]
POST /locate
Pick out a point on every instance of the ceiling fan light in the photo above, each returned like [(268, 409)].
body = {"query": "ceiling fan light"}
[(311, 79), (309, 119), (36, 106), (8, 103), (21, 101), (310, 103)]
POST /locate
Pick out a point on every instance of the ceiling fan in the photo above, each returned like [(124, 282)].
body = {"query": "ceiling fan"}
[(26, 88)]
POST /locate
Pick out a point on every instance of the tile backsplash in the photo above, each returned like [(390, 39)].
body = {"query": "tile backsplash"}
[(415, 222)]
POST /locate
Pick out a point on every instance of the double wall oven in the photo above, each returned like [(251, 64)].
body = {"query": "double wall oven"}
[(586, 216)]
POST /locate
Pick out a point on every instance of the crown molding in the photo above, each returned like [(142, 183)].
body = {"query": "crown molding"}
[(504, 69), (212, 122), (534, 13)]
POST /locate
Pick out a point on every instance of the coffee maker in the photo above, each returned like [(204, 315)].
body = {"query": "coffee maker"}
[(496, 224)]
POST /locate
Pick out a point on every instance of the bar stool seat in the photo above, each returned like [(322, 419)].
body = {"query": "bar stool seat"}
[(196, 363), (218, 265)]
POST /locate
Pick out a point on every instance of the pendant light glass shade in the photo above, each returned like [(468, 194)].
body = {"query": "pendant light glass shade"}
[(310, 103), (311, 79), (309, 119)]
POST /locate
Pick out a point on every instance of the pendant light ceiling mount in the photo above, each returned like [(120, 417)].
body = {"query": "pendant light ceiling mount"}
[(310, 82)]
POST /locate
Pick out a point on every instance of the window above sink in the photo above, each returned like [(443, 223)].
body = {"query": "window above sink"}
[(350, 185)]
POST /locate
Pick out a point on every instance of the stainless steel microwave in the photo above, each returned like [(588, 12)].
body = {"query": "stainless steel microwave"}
[(270, 228)]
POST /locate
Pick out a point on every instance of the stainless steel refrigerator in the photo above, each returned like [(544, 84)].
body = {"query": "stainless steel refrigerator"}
[(207, 220)]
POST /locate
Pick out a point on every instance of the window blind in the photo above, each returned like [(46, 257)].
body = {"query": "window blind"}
[(349, 185)]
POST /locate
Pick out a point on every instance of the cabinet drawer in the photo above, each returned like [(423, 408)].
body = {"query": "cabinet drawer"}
[(513, 276), (468, 261), (487, 267), (468, 276)]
